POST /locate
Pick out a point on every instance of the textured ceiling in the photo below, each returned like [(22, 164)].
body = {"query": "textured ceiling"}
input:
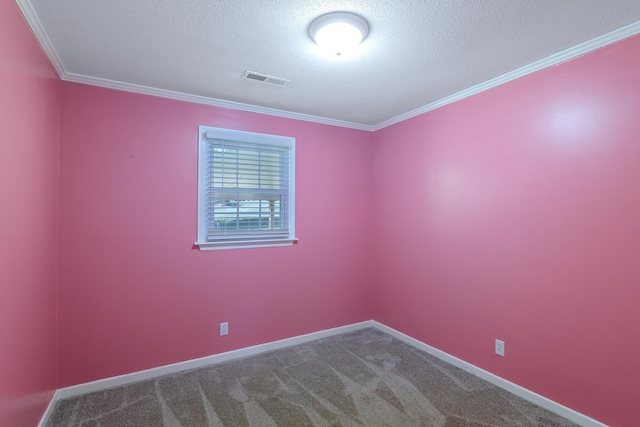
[(416, 53)]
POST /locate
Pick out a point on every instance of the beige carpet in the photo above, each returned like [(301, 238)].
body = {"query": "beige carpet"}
[(364, 378)]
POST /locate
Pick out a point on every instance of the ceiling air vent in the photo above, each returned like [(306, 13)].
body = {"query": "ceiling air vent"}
[(252, 75)]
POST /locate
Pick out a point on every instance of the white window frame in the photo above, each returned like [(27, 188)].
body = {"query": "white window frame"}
[(205, 134)]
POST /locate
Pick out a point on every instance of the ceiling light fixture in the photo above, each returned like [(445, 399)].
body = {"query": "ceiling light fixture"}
[(338, 32)]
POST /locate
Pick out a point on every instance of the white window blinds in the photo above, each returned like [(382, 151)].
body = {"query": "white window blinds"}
[(247, 194)]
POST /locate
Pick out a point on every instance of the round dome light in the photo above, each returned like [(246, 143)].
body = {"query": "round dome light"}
[(338, 32)]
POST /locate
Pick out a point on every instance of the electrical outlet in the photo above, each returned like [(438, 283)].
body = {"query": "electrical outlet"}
[(500, 348), (224, 329)]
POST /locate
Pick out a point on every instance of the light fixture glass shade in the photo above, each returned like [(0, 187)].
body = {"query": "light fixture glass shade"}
[(339, 32)]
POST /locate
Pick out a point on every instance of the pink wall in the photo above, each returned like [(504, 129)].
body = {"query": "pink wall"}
[(514, 215), (29, 122), (135, 294), (511, 214)]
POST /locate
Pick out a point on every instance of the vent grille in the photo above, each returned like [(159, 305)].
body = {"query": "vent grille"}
[(265, 78)]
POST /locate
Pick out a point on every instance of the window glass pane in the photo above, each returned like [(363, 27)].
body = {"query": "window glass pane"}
[(237, 213), (248, 186)]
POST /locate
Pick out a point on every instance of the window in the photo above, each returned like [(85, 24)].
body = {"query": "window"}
[(246, 189)]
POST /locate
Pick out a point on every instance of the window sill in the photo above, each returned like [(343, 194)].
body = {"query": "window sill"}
[(216, 246)]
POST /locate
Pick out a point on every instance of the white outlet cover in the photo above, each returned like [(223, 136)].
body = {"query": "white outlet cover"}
[(224, 328), (500, 348)]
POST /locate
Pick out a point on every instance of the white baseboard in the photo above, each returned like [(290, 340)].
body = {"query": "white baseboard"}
[(526, 394), (49, 410), (121, 380)]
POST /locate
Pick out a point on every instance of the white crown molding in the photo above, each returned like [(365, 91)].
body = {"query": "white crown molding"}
[(565, 55), (38, 30), (562, 56), (36, 26), (163, 93)]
